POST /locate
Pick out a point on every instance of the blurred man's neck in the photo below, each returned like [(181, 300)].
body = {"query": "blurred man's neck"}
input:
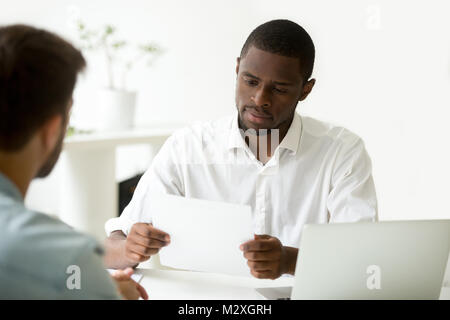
[(18, 168)]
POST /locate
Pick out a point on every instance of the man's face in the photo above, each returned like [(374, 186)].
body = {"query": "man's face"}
[(268, 89)]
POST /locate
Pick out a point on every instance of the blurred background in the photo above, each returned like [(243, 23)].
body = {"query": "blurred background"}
[(382, 70)]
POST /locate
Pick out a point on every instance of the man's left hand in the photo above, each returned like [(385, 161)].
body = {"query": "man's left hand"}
[(266, 257)]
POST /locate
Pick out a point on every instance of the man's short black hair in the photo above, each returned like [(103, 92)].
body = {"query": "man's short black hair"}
[(285, 38), (38, 71)]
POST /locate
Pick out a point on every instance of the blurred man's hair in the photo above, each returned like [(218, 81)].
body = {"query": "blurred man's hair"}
[(38, 72), (285, 38)]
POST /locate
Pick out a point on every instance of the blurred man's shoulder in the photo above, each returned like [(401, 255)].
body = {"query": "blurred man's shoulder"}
[(38, 245)]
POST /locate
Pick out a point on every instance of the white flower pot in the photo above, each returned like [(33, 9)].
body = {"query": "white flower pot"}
[(116, 109)]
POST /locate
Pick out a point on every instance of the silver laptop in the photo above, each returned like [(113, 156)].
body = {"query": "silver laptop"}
[(373, 260)]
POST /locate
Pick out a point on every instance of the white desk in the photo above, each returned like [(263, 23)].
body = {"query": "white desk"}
[(186, 285)]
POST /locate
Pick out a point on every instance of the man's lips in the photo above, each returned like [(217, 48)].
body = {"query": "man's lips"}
[(257, 117)]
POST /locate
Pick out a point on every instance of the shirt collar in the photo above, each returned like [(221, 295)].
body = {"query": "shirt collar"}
[(7, 187), (292, 138), (235, 139), (290, 141)]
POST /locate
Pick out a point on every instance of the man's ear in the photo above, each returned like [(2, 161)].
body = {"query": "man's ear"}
[(50, 132), (307, 89), (238, 60)]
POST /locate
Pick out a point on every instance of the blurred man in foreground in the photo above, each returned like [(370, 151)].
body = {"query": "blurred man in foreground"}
[(40, 257)]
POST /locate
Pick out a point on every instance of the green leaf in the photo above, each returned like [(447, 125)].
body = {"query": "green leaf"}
[(109, 29), (119, 44)]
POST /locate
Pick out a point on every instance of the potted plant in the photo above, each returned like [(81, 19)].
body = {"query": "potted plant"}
[(116, 104)]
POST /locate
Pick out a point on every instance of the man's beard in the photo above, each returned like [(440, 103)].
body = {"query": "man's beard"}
[(52, 159), (260, 132)]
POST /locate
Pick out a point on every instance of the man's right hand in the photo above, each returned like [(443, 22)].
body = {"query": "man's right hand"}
[(143, 241), (128, 288)]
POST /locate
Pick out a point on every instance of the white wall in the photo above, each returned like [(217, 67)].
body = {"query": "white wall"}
[(382, 70)]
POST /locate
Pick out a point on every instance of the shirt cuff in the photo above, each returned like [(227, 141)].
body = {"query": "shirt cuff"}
[(121, 223)]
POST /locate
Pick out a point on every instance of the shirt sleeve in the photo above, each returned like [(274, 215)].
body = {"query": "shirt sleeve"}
[(352, 196), (163, 176), (94, 281)]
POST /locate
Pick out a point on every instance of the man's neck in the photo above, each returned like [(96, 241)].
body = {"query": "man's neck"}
[(264, 145), (17, 170)]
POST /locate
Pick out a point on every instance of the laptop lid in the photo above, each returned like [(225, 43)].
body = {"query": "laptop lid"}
[(372, 260)]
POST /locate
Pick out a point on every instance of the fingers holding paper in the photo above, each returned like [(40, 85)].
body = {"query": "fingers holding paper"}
[(265, 256), (144, 241)]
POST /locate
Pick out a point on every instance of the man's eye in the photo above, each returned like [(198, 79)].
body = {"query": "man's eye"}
[(251, 82), (279, 90)]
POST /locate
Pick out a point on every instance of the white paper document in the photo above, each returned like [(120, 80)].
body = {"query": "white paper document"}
[(204, 235)]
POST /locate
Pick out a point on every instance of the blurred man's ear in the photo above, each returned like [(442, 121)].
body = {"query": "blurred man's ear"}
[(51, 132), (307, 89)]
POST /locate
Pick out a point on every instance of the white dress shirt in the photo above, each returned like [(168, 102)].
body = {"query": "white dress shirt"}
[(318, 174)]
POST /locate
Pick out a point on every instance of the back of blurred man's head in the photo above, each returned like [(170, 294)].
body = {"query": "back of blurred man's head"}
[(38, 72)]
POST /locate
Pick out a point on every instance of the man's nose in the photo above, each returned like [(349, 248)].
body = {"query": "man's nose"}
[(262, 98)]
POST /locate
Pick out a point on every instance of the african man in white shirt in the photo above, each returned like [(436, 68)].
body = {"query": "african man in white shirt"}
[(292, 170)]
